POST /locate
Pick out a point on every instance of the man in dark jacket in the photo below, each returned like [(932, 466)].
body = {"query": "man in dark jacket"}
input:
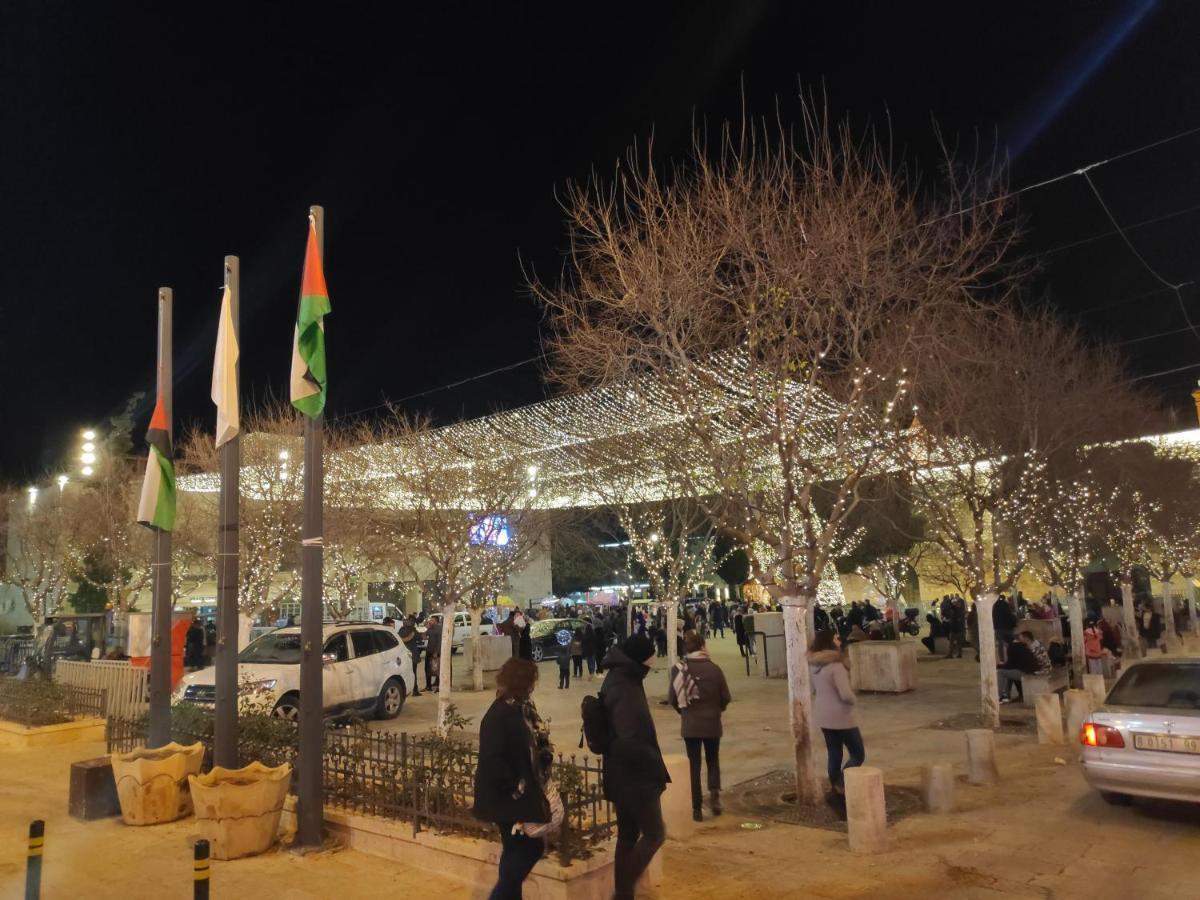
[(1004, 621), (635, 775)]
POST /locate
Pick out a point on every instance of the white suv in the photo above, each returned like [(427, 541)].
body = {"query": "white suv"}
[(366, 667), (462, 628)]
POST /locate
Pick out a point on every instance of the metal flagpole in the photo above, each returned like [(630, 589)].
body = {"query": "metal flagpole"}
[(312, 615), (225, 725), (162, 603)]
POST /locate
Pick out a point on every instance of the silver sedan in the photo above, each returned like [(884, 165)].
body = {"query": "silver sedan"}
[(1145, 740)]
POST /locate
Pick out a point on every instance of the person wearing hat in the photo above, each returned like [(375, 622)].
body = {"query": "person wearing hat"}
[(635, 775)]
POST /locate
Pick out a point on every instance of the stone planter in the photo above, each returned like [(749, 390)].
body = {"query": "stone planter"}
[(152, 785), (887, 666), (238, 810)]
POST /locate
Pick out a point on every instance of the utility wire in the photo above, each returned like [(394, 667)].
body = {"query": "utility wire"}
[(1128, 228)]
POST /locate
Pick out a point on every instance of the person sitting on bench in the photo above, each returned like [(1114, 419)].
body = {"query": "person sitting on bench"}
[(1024, 656), (936, 630)]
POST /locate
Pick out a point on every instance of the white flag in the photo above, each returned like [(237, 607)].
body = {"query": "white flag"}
[(224, 380)]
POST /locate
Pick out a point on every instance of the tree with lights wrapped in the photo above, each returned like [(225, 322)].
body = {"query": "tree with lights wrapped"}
[(470, 512), (776, 295), (974, 459), (43, 536)]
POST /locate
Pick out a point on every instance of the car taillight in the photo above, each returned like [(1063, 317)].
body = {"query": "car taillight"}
[(1093, 735)]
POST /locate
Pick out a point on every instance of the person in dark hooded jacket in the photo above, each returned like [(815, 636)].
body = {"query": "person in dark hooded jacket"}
[(635, 775)]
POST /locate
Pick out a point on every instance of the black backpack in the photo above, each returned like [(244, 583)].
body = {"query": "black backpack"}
[(595, 730)]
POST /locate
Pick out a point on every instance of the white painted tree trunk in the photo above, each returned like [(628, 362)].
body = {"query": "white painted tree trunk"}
[(1189, 587), (1075, 619), (799, 679), (989, 684), (476, 650), (897, 604), (672, 634), (445, 664), (1168, 614), (629, 620), (1131, 645)]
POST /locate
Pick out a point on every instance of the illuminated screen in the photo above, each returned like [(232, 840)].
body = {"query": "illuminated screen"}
[(491, 530)]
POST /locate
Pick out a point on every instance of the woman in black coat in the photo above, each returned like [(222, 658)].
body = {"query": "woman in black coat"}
[(515, 755)]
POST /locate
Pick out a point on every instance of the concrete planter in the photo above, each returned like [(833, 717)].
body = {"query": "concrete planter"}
[(238, 810), (886, 666), (18, 737), (152, 785)]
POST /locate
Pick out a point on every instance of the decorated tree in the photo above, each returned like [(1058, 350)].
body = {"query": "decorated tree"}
[(44, 541), (769, 301)]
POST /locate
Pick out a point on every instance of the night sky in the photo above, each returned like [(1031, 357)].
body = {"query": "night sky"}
[(138, 148)]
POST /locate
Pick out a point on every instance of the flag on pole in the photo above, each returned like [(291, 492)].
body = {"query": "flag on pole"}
[(308, 353), (224, 380), (156, 508)]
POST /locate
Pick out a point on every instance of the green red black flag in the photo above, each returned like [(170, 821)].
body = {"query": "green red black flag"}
[(309, 380), (156, 508)]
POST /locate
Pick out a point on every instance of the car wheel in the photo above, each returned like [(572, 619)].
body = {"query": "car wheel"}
[(538, 653), (1112, 797), (288, 708), (391, 699)]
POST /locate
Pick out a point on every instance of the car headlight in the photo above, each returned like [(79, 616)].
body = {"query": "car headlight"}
[(266, 684)]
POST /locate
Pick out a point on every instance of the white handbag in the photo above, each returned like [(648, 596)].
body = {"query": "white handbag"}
[(541, 829)]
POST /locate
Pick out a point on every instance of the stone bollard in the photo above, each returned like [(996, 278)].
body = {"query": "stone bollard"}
[(1049, 719), (981, 756), (1079, 707), (1095, 684), (937, 787), (677, 799), (866, 810)]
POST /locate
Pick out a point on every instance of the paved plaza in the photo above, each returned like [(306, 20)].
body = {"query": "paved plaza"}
[(1040, 833)]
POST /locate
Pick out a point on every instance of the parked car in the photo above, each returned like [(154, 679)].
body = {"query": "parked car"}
[(462, 628), (1145, 740), (366, 667), (550, 637)]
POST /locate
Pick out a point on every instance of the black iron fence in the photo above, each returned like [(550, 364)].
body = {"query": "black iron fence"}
[(14, 649), (426, 780), (35, 702)]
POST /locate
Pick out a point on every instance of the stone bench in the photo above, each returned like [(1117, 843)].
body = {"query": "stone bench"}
[(1054, 681)]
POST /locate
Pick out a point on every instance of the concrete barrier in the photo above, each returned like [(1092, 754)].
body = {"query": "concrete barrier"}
[(981, 756), (1049, 719), (866, 810), (1080, 704), (1095, 684), (937, 787)]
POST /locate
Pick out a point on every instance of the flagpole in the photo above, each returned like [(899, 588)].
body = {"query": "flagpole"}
[(160, 569), (312, 614), (225, 725)]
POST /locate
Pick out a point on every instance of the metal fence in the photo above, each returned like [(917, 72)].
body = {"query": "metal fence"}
[(36, 702), (14, 648), (127, 688), (425, 780)]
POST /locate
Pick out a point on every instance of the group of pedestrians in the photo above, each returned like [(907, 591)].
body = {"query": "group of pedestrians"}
[(584, 648)]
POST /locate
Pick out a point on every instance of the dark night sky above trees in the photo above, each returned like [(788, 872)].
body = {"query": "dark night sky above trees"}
[(139, 147)]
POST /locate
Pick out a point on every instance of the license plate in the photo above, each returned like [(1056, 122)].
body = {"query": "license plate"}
[(1167, 743)]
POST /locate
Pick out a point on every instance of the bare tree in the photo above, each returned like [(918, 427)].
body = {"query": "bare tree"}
[(119, 546), (777, 295), (43, 538), (471, 513), (1022, 391)]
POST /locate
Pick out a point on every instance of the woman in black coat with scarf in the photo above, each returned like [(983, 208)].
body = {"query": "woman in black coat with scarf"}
[(515, 756)]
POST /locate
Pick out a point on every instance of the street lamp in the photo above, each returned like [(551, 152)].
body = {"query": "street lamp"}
[(33, 492), (88, 453), (62, 482)]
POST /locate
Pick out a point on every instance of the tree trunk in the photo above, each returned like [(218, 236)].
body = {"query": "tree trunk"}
[(629, 619), (989, 684), (476, 650), (795, 637), (1189, 587), (1168, 614), (1131, 644), (445, 664), (897, 604), (672, 636), (1075, 619)]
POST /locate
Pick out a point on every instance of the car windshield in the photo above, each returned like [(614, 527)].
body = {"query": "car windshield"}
[(1169, 686), (273, 648), (543, 628)]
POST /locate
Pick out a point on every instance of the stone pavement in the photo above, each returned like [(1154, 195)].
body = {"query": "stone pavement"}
[(1040, 833)]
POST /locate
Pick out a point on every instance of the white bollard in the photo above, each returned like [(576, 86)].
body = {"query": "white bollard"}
[(981, 756), (866, 810), (1094, 684), (1079, 707), (1049, 719), (937, 787)]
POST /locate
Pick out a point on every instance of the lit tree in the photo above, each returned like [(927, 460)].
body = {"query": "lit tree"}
[(778, 294), (119, 547), (43, 537), (470, 512), (986, 426)]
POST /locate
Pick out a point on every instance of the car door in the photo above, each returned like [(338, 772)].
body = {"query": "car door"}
[(394, 660), (365, 677), (336, 675)]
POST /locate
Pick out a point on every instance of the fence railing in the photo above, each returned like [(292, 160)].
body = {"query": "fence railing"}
[(425, 780), (127, 688), (14, 648), (37, 702)]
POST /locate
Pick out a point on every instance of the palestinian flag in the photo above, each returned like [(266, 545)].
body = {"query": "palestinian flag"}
[(156, 509), (308, 353)]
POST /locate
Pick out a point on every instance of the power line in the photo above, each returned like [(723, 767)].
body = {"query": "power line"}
[(1150, 337), (1166, 372), (1128, 228)]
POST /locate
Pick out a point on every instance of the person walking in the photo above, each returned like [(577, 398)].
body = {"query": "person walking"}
[(513, 775), (739, 632), (433, 654), (833, 708), (577, 653), (635, 775), (956, 626), (408, 635), (590, 644), (699, 692), (564, 667)]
